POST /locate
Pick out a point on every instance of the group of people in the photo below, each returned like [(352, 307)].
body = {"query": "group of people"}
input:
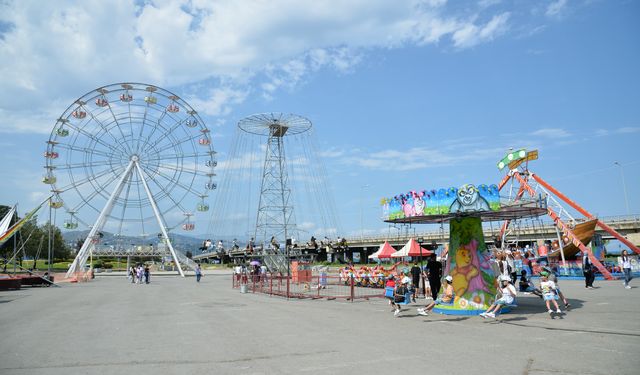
[(139, 273), (257, 272), (397, 292), (549, 291)]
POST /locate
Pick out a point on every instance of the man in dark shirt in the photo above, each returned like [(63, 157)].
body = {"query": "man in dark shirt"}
[(415, 279), (434, 274), (588, 271)]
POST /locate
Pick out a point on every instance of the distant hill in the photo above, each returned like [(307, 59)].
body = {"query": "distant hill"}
[(181, 242)]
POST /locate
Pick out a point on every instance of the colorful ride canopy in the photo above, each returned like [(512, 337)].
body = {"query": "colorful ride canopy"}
[(416, 203)]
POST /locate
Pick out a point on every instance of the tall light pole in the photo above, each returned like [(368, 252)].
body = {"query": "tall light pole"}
[(624, 187), (362, 211)]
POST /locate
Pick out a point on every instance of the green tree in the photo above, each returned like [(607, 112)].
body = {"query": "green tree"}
[(59, 248)]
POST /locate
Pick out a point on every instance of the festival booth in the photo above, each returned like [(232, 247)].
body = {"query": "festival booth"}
[(384, 251), (468, 260), (412, 249)]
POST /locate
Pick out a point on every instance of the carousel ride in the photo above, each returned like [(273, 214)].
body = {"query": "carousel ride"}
[(467, 207), (132, 160), (464, 209)]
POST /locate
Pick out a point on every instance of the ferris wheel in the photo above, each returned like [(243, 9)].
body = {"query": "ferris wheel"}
[(129, 158)]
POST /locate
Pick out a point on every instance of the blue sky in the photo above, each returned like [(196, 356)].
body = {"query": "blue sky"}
[(403, 95)]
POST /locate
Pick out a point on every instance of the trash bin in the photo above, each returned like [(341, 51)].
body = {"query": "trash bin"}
[(244, 288)]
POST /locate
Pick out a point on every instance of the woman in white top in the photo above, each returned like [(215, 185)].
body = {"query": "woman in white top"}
[(626, 267), (508, 292)]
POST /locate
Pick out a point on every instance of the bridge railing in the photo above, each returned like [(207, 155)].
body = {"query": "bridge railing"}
[(443, 233)]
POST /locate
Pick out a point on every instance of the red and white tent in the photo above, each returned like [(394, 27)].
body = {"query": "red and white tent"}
[(384, 251), (411, 249)]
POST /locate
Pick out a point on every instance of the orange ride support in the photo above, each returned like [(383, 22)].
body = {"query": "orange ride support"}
[(506, 223), (585, 213), (567, 232), (504, 181)]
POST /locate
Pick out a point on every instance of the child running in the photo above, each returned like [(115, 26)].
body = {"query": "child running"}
[(508, 296), (549, 292), (447, 298)]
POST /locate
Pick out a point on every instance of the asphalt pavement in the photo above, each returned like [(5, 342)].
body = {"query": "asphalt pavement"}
[(177, 326)]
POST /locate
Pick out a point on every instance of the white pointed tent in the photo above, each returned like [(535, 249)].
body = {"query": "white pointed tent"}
[(411, 249)]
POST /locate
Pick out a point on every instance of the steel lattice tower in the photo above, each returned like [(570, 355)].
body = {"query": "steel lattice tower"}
[(275, 215)]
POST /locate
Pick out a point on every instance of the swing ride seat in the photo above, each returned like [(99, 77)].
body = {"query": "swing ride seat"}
[(407, 299), (388, 292), (450, 303)]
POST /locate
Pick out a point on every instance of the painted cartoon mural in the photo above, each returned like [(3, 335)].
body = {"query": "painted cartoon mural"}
[(469, 265), (441, 201)]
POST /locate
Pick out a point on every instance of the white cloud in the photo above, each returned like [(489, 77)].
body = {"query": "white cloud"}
[(556, 8), (601, 132), (488, 3), (551, 133), (627, 130), (218, 101), (331, 152), (470, 34), (420, 158), (53, 52)]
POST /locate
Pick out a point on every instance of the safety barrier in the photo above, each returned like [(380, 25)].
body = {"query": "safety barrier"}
[(313, 287)]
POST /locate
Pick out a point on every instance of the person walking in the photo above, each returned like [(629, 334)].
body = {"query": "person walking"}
[(147, 274), (415, 276), (434, 275), (139, 272), (198, 271), (587, 271), (626, 268), (132, 274)]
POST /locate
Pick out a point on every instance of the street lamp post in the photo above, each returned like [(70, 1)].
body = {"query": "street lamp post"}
[(624, 187)]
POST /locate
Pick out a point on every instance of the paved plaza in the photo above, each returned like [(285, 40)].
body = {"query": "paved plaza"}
[(175, 326)]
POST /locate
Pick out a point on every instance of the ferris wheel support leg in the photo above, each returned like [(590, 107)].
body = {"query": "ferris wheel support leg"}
[(156, 212), (83, 253)]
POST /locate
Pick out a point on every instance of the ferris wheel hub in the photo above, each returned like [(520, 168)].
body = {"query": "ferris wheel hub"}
[(135, 157)]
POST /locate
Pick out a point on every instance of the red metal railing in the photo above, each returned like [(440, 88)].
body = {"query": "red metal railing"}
[(313, 287)]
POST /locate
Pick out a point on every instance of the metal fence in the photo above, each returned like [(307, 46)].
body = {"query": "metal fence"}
[(313, 286)]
